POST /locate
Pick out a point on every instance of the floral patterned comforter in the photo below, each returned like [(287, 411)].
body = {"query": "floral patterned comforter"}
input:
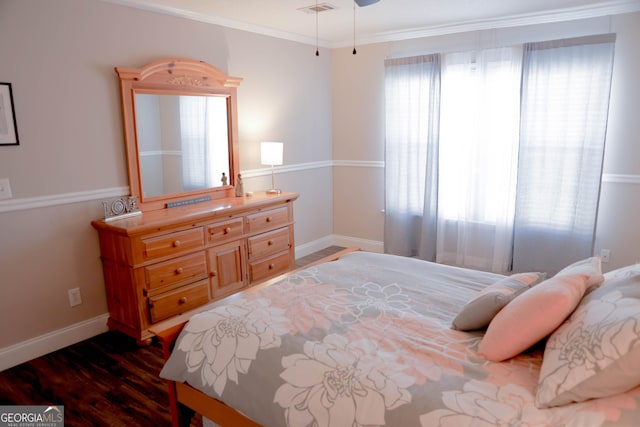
[(367, 341)]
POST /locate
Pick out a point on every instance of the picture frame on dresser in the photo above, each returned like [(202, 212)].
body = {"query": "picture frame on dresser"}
[(8, 126)]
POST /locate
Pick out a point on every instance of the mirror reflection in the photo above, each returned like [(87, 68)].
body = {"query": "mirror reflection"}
[(183, 142)]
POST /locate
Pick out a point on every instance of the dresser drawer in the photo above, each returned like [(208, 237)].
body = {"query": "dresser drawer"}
[(220, 232), (269, 243), (172, 244), (267, 220), (269, 267), (178, 270), (178, 301)]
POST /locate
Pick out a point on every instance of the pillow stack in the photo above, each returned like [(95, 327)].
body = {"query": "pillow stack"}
[(592, 321), (534, 314)]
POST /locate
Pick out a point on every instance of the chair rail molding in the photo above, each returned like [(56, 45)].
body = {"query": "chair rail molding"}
[(20, 204)]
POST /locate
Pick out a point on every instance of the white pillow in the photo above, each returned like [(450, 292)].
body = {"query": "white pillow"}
[(596, 352)]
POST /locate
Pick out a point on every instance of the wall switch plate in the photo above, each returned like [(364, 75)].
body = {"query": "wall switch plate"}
[(604, 255), (74, 297), (5, 189)]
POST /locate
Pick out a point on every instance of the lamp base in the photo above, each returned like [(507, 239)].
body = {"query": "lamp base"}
[(274, 191)]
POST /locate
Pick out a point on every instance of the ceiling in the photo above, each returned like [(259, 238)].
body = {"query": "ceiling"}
[(383, 21)]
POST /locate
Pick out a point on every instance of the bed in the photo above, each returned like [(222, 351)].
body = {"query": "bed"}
[(376, 340)]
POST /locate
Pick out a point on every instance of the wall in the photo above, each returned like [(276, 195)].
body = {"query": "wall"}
[(60, 58), (329, 111), (358, 128)]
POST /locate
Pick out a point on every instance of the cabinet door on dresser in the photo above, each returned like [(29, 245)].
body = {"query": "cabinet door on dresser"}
[(226, 256), (227, 268)]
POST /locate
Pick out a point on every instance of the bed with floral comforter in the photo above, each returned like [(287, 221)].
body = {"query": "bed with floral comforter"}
[(367, 341)]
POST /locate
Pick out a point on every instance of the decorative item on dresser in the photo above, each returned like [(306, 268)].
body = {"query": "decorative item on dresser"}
[(194, 241), (165, 262)]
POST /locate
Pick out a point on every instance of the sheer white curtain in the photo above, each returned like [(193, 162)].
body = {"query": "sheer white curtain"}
[(411, 155), (204, 133), (193, 132), (566, 87), (479, 125), (494, 157)]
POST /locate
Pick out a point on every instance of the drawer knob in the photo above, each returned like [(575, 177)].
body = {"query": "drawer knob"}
[(177, 243), (270, 242), (272, 266), (182, 300), (179, 270), (227, 230), (268, 219), (214, 273)]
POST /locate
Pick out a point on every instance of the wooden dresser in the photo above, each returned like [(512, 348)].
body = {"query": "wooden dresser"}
[(168, 261)]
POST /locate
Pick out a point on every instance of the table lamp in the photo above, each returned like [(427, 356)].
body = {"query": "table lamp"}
[(271, 154)]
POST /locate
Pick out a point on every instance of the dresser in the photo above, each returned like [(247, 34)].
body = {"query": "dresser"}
[(165, 262)]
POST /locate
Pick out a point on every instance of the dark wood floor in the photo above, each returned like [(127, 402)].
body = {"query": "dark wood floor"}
[(103, 381)]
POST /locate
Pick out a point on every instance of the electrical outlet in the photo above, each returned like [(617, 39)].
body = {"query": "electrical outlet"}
[(5, 189), (74, 297), (605, 254)]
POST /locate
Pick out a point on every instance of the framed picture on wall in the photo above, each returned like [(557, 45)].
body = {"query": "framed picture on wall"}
[(8, 127)]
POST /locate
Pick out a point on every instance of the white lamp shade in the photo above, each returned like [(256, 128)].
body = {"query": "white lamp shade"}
[(271, 153)]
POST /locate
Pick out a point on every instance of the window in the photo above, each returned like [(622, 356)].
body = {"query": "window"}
[(474, 158)]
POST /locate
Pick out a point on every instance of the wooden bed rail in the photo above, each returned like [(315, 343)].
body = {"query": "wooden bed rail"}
[(185, 400)]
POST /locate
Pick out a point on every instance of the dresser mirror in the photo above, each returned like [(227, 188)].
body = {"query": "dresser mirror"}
[(180, 125)]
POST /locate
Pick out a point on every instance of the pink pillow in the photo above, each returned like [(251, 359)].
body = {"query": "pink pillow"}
[(532, 316)]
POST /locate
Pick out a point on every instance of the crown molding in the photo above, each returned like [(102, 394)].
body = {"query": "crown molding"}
[(151, 6), (615, 7), (559, 15)]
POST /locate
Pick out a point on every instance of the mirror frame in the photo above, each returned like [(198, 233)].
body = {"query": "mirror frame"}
[(176, 76)]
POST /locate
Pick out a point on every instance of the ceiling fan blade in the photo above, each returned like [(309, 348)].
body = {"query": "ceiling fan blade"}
[(363, 3)]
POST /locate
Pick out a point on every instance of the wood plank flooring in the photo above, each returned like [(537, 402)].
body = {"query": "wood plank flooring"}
[(103, 381)]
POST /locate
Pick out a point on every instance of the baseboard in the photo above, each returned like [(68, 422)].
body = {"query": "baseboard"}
[(52, 341), (55, 340), (313, 246), (338, 240), (364, 244)]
